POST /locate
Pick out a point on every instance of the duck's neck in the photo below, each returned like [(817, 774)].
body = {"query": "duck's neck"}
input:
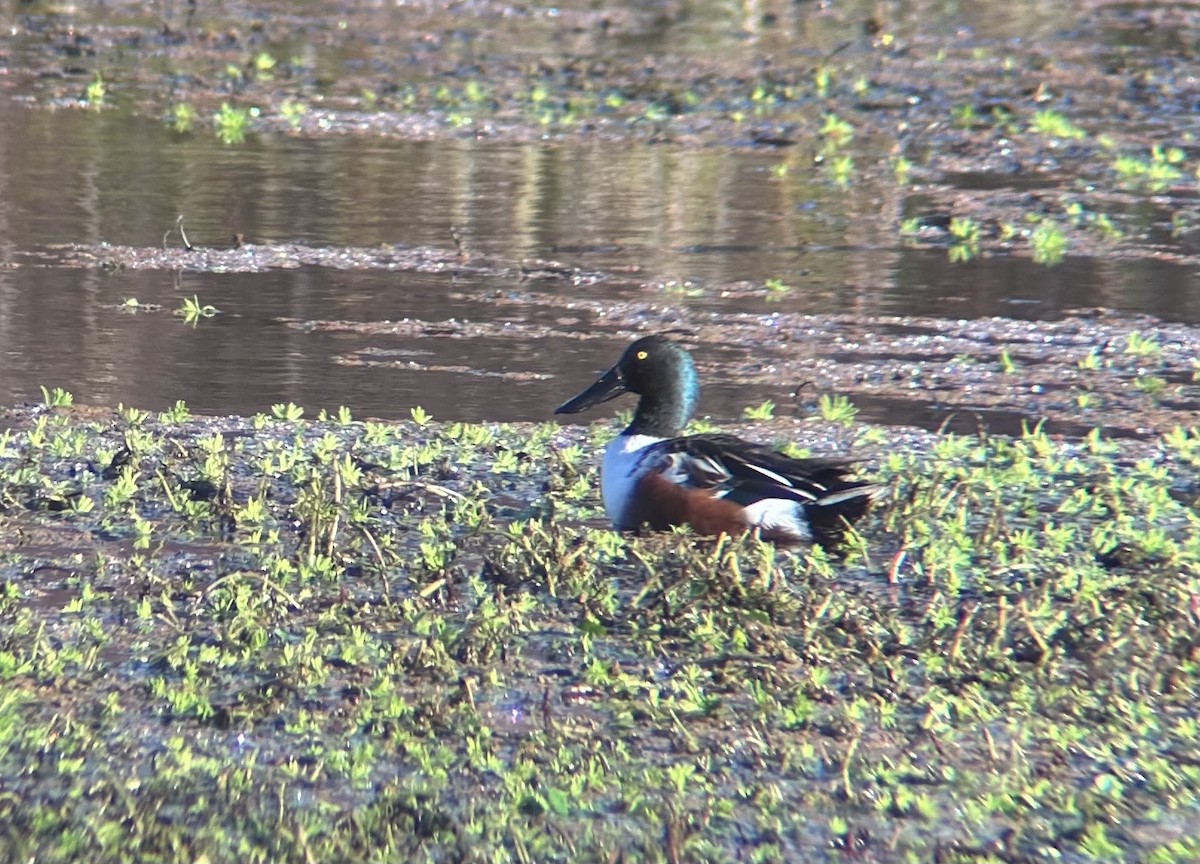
[(663, 415)]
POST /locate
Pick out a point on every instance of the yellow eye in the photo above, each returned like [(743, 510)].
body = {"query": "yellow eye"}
[(642, 355)]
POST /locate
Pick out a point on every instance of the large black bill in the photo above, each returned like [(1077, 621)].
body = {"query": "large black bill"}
[(610, 385)]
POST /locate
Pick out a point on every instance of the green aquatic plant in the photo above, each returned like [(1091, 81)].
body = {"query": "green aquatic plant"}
[(57, 398), (177, 413), (193, 310), (289, 412), (965, 117), (1049, 243), (822, 80), (96, 92), (1052, 124), (264, 65), (776, 288), (964, 235), (836, 409), (765, 410), (293, 112), (1138, 345), (231, 124), (1155, 173), (841, 169), (1152, 385), (835, 133)]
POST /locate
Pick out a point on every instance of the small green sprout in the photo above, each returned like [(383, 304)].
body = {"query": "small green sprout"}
[(822, 79), (57, 398), (1142, 346), (231, 123), (292, 111), (776, 287), (193, 310), (964, 117), (765, 410), (1154, 174), (183, 117), (842, 169), (1152, 385), (837, 409), (965, 234), (1049, 243), (95, 92), (836, 132), (420, 416), (1051, 124), (264, 63), (473, 92), (287, 411), (177, 413)]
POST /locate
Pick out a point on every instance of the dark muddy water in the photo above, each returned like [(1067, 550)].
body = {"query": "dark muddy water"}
[(695, 219), (676, 225)]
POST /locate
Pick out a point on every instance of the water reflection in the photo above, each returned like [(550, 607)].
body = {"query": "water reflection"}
[(696, 217)]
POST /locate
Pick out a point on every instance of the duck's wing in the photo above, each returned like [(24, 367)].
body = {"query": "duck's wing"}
[(746, 472)]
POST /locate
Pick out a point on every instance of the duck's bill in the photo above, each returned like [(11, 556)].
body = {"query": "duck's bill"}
[(610, 385)]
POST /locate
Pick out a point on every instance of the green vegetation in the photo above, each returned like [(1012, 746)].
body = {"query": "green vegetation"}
[(183, 117), (964, 236), (765, 410), (1051, 124), (231, 124), (293, 112), (1049, 243), (776, 288), (390, 659), (836, 409), (1154, 174), (193, 310), (96, 92)]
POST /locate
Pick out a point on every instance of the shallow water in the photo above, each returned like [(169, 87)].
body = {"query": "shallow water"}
[(686, 221)]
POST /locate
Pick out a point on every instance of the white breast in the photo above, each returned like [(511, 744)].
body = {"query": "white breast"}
[(623, 465)]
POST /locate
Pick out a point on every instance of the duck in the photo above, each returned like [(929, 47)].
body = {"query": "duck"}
[(653, 475)]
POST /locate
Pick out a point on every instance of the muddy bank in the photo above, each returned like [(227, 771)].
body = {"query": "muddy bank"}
[(422, 638)]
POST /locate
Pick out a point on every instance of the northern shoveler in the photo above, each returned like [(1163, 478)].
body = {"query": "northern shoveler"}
[(714, 483)]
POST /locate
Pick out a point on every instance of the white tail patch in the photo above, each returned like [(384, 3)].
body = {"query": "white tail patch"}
[(779, 515)]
